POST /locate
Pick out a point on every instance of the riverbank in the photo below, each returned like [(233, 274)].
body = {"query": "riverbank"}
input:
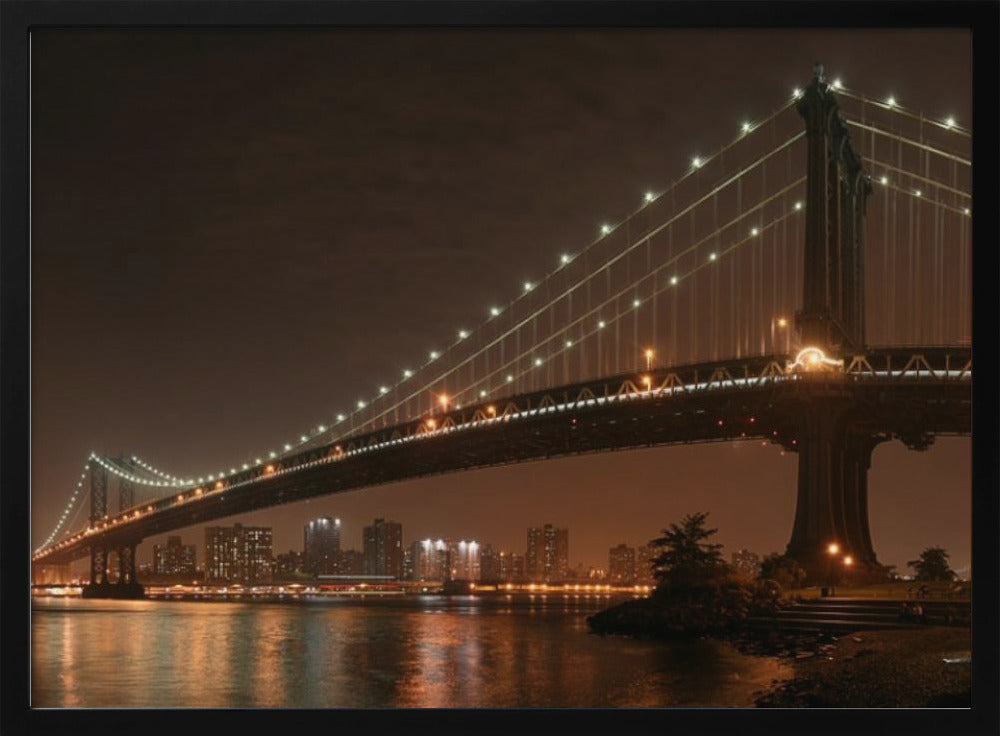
[(889, 668)]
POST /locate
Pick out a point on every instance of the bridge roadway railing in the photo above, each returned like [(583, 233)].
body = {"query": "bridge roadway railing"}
[(723, 400)]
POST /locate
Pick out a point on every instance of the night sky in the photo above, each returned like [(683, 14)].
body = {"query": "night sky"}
[(236, 234)]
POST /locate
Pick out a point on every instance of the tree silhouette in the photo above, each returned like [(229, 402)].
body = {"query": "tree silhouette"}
[(685, 557), (932, 565)]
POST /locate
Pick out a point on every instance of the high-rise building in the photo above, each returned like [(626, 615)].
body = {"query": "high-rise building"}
[(465, 563), (288, 565), (238, 554), (352, 562), (321, 546), (644, 556), (174, 558), (621, 564), (746, 564), (489, 563), (383, 548), (547, 556)]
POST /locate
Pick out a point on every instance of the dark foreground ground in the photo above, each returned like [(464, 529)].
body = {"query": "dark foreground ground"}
[(892, 668)]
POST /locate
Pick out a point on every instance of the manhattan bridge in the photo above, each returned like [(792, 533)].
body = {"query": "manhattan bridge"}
[(807, 284)]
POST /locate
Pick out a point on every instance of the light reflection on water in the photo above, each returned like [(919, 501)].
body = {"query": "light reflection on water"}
[(419, 651)]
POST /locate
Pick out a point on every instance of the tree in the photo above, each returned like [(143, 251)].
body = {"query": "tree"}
[(932, 565), (684, 555), (783, 570)]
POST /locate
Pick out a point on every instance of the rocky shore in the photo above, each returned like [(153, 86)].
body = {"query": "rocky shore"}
[(889, 668)]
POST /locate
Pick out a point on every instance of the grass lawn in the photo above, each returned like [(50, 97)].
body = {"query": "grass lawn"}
[(893, 590)]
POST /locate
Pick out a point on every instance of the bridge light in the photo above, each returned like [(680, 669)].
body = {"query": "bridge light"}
[(565, 258), (494, 311), (256, 461), (569, 343), (510, 378), (383, 389), (967, 211), (321, 428), (648, 381), (482, 394), (782, 322), (754, 232), (747, 127), (538, 361), (443, 400), (434, 354), (883, 180), (269, 469), (917, 193), (340, 418), (696, 162), (848, 561), (837, 84), (246, 467), (949, 123), (636, 303), (407, 373), (796, 93), (605, 229), (600, 325), (361, 404), (431, 423), (673, 281), (462, 334), (218, 484), (833, 548), (891, 102), (528, 286), (712, 256), (491, 410), (798, 205)]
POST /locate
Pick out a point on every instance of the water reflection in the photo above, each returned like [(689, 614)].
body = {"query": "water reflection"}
[(425, 651)]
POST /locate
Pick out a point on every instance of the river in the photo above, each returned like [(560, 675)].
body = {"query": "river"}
[(403, 652)]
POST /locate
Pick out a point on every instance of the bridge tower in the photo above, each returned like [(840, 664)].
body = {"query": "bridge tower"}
[(98, 510), (833, 447), (837, 189), (127, 576)]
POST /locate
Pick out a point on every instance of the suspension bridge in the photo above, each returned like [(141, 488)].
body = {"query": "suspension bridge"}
[(806, 284)]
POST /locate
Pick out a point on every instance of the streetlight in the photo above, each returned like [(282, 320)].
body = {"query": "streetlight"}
[(649, 358), (832, 549), (782, 324)]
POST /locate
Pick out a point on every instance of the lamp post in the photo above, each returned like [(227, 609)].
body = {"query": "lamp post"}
[(848, 561), (832, 549), (782, 324), (649, 358)]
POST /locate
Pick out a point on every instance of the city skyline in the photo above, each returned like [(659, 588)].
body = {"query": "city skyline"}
[(209, 214)]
